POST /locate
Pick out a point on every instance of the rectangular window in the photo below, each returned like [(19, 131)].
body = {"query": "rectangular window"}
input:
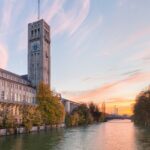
[(2, 95)]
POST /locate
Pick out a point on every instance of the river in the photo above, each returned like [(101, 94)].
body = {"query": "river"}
[(112, 135)]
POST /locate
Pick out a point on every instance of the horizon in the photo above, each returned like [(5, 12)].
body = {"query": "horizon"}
[(100, 51)]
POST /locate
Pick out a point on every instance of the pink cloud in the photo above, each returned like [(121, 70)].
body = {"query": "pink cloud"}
[(67, 21), (3, 56), (53, 10), (83, 13), (122, 89)]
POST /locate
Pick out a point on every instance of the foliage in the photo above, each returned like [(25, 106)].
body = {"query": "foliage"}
[(27, 117), (9, 120), (83, 115), (37, 117), (50, 105), (1, 121), (72, 120), (49, 111), (94, 110), (31, 116), (142, 109)]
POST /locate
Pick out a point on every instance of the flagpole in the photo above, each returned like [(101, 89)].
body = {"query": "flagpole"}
[(38, 9)]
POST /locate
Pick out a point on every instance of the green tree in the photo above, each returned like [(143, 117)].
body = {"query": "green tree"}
[(72, 119), (85, 116)]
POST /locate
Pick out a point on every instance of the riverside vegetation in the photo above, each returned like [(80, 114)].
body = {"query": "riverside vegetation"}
[(83, 115), (48, 111), (142, 109)]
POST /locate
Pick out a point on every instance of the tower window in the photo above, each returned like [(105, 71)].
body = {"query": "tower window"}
[(32, 33), (35, 32), (38, 31)]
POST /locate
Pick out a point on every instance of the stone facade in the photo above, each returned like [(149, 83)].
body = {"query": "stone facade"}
[(39, 52), (15, 89), (15, 92)]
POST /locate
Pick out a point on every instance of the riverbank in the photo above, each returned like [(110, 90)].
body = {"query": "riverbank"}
[(22, 130)]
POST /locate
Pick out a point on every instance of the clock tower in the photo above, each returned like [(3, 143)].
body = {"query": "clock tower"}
[(39, 52)]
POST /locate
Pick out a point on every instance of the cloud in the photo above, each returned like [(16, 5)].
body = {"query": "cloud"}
[(11, 11), (121, 3), (132, 40), (143, 55), (3, 56), (53, 10), (93, 78), (7, 14), (132, 72), (111, 90), (67, 21), (83, 13), (84, 33)]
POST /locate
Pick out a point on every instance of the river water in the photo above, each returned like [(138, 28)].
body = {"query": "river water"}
[(112, 135)]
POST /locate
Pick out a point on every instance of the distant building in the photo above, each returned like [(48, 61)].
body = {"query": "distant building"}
[(115, 111), (69, 105), (103, 108)]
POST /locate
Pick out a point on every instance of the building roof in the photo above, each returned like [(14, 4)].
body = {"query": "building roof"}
[(16, 78), (63, 99)]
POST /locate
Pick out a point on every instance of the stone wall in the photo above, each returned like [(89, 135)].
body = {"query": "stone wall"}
[(21, 130)]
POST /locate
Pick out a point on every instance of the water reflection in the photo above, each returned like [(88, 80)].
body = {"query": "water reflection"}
[(143, 138), (113, 135)]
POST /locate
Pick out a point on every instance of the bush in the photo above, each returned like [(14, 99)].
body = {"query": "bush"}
[(83, 115)]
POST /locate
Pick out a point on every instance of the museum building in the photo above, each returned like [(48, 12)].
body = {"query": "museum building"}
[(17, 91)]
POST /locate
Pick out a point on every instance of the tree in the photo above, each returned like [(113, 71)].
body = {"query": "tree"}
[(142, 109), (85, 116), (94, 110), (37, 117), (9, 120), (50, 106), (1, 119), (27, 117), (72, 119)]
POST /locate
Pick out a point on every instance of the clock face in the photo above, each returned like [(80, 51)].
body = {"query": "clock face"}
[(35, 46)]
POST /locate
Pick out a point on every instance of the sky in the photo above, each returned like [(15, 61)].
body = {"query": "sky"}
[(100, 49)]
